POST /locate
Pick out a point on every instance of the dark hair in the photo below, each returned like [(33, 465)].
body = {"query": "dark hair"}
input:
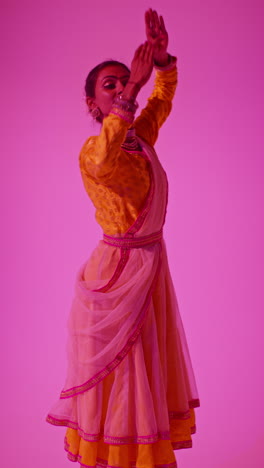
[(91, 79)]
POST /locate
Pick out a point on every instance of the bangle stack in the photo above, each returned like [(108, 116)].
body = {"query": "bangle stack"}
[(124, 108)]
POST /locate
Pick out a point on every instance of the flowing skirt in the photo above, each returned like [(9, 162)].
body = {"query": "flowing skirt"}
[(138, 411)]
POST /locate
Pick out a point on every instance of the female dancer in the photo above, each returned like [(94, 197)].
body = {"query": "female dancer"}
[(130, 391)]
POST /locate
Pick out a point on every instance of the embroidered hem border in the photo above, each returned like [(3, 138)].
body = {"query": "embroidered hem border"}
[(150, 439), (100, 463), (128, 440)]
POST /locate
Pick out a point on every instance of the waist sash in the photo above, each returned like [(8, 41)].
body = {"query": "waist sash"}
[(128, 243)]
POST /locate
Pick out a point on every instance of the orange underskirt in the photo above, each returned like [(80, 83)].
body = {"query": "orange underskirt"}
[(92, 454)]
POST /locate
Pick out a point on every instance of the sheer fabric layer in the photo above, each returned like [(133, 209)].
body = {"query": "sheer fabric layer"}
[(130, 383), (152, 387)]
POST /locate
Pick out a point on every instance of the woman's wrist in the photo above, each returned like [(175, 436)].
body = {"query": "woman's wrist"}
[(162, 60), (171, 63), (131, 90)]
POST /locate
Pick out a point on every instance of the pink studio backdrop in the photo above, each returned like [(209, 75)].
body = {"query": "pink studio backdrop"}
[(211, 150)]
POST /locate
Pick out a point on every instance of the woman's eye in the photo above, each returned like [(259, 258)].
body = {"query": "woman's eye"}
[(109, 85)]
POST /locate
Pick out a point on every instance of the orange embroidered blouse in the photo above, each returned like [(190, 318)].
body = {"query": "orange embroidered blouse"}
[(116, 181)]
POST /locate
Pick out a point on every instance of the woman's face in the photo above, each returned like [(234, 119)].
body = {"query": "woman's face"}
[(110, 82)]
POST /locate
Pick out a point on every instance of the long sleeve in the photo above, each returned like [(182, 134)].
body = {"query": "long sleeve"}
[(100, 154), (159, 104)]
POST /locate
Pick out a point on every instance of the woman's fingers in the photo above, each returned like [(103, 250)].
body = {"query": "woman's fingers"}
[(147, 19), (146, 51), (151, 19), (142, 63), (138, 50), (154, 24), (144, 55), (156, 21), (156, 33), (149, 52), (143, 51), (162, 24)]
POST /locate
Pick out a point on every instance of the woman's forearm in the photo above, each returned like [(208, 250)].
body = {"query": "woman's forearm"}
[(131, 90)]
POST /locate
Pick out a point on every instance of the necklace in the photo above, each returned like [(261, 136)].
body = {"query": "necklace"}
[(131, 143)]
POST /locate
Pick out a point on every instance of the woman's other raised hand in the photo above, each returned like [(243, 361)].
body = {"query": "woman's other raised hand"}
[(142, 64), (141, 69), (157, 35)]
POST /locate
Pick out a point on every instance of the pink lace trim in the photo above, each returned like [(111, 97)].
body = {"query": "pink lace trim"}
[(137, 440), (110, 439), (149, 439), (118, 271), (133, 242)]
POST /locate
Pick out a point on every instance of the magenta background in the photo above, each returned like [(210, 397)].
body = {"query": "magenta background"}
[(212, 149)]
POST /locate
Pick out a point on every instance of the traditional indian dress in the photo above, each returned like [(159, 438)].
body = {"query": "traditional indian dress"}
[(130, 391)]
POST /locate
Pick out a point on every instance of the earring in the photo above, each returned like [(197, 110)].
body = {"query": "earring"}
[(95, 112)]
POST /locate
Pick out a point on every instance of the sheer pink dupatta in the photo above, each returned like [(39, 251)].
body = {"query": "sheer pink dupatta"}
[(109, 312)]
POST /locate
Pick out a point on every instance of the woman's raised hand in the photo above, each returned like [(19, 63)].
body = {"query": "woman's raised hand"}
[(141, 68), (142, 64), (157, 35)]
